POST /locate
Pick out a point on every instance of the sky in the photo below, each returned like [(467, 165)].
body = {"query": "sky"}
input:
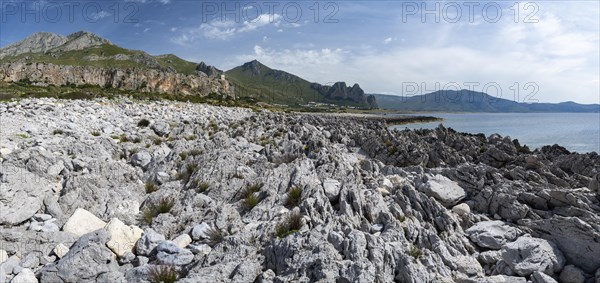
[(536, 51)]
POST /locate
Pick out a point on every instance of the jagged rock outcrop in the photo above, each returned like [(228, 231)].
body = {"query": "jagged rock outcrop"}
[(127, 79), (232, 194), (210, 71), (340, 91)]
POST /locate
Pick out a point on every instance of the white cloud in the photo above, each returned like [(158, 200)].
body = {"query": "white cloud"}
[(226, 29), (387, 40)]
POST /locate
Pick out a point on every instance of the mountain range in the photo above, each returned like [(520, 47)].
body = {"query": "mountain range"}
[(472, 101), (83, 58)]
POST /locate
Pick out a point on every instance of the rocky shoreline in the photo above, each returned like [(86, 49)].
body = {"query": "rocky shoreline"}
[(124, 191)]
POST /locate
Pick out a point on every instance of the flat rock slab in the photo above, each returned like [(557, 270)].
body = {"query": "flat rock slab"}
[(83, 222), (22, 194), (444, 190), (527, 255), (492, 234)]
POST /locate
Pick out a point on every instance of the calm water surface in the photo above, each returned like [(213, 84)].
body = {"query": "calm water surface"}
[(579, 132)]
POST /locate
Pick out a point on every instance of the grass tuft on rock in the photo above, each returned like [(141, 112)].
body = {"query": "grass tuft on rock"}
[(251, 201), (294, 197), (415, 251), (58, 132), (96, 133), (163, 274), (151, 187), (164, 206), (215, 236), (292, 224)]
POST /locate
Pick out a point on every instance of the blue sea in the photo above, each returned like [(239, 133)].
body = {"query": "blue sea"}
[(578, 132)]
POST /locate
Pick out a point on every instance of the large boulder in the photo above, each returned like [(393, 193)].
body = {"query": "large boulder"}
[(123, 237), (148, 242), (22, 194), (168, 253), (443, 189), (572, 274), (527, 255), (579, 241), (492, 234), (88, 260), (83, 222)]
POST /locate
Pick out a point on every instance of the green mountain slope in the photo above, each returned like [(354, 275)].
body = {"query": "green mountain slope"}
[(255, 81), (471, 101), (87, 49)]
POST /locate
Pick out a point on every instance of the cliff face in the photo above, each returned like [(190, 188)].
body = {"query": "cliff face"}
[(340, 91), (127, 79)]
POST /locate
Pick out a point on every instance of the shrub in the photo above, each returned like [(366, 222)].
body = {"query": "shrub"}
[(191, 137), (23, 136), (415, 251), (195, 152), (123, 138), (401, 218), (58, 132), (137, 140), (292, 224), (215, 236), (151, 187), (96, 133), (294, 197), (183, 155), (143, 123), (163, 273), (165, 205), (203, 187), (158, 141), (251, 201), (255, 188)]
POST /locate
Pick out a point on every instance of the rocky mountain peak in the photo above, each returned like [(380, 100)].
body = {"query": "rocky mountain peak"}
[(209, 70), (41, 42), (255, 67), (37, 42)]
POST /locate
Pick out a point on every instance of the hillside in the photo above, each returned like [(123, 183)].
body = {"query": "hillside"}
[(74, 63), (471, 101), (254, 80)]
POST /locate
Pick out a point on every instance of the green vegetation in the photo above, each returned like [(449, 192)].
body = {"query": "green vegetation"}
[(277, 88), (105, 56), (251, 201), (215, 236), (202, 187), (163, 274), (294, 197), (151, 187), (415, 251), (58, 132), (23, 136), (164, 206), (96, 133), (292, 224), (143, 123)]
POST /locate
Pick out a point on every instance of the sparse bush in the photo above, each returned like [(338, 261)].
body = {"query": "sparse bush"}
[(163, 274), (148, 215), (255, 188), (294, 197), (96, 133), (183, 155), (401, 218), (23, 136), (58, 132), (123, 138), (251, 201), (292, 224), (215, 236), (151, 187), (203, 187), (415, 251), (143, 123), (137, 140), (158, 141), (165, 205), (191, 137)]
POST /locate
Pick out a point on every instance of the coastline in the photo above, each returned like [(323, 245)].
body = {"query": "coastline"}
[(342, 193)]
